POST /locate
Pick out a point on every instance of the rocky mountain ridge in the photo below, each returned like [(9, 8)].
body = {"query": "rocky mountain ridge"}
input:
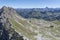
[(6, 30)]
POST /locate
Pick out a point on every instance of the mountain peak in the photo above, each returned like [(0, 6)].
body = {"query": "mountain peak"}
[(7, 10), (4, 7)]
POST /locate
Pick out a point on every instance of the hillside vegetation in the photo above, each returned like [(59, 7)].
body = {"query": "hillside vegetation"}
[(30, 28)]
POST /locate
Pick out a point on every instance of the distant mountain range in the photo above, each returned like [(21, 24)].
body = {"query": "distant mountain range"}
[(40, 13)]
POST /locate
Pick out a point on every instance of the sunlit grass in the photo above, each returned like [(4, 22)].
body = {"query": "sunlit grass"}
[(23, 30)]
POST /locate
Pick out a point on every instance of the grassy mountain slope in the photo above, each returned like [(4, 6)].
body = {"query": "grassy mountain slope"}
[(33, 29)]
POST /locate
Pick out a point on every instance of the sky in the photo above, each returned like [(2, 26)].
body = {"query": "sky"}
[(30, 3)]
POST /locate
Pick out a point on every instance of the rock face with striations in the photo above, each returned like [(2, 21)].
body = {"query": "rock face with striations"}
[(6, 32)]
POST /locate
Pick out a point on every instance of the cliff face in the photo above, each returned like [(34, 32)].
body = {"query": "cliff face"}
[(6, 30)]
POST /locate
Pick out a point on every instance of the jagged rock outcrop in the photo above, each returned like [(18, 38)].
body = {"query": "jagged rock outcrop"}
[(6, 30)]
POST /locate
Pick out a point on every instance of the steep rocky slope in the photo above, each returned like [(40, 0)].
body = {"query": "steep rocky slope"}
[(6, 30)]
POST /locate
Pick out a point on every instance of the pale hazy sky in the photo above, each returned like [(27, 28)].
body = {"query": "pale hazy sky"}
[(30, 3)]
